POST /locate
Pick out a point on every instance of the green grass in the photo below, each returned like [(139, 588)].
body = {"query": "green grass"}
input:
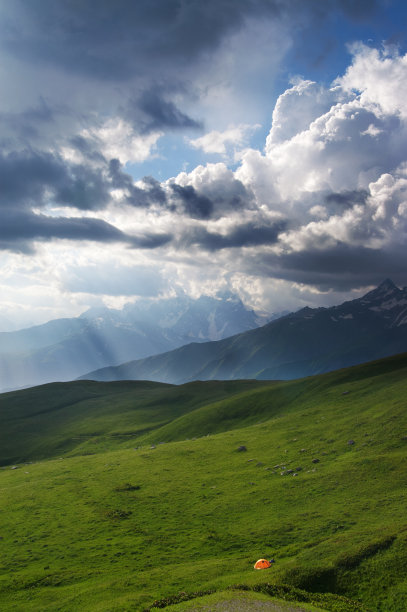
[(88, 417), (119, 529)]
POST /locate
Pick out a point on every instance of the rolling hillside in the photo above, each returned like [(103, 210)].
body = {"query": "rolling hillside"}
[(308, 342), (88, 417), (312, 472)]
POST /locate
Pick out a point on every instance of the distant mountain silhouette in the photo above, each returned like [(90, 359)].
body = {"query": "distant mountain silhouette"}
[(63, 349), (307, 342)]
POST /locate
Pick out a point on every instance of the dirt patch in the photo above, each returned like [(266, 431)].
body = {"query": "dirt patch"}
[(237, 605)]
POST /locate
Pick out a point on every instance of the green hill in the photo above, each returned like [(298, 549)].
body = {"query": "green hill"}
[(86, 417), (321, 488)]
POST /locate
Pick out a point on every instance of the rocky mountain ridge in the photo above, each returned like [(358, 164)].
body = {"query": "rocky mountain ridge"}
[(307, 342), (63, 349)]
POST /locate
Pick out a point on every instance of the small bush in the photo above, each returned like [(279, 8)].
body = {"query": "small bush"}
[(127, 487), (118, 514)]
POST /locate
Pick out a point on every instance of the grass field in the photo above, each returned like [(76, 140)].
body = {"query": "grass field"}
[(321, 488)]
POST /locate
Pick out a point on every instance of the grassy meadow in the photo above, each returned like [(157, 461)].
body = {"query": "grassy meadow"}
[(114, 496)]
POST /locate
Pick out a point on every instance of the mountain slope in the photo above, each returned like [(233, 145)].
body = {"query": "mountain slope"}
[(88, 417), (321, 488), (304, 343), (63, 349)]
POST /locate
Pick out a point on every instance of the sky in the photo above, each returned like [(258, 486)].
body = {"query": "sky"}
[(153, 148)]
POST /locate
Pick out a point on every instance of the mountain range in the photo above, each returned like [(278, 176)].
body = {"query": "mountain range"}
[(63, 349), (310, 341)]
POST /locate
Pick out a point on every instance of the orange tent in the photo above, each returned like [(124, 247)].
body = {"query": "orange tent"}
[(262, 564)]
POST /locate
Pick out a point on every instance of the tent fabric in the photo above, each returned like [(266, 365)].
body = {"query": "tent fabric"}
[(262, 564)]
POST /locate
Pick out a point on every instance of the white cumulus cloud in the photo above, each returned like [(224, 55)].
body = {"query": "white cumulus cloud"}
[(235, 136)]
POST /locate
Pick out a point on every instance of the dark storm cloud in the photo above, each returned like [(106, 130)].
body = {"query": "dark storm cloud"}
[(341, 267), (83, 188), (161, 114), (152, 194), (31, 179), (345, 199), (25, 175), (29, 123), (87, 149), (216, 199), (246, 235), (111, 40), (194, 204), (152, 46), (155, 191), (151, 241), (34, 178), (19, 230)]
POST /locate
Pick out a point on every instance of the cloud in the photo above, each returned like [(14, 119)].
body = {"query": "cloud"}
[(218, 142), (36, 184), (245, 235), (116, 138), (373, 74), (149, 193), (211, 191), (338, 154), (194, 204), (162, 114), (110, 42), (148, 63), (114, 280), (18, 231), (341, 267)]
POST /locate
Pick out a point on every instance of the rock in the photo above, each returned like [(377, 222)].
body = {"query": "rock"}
[(303, 450), (289, 471), (241, 449), (351, 442), (259, 464), (298, 469), (345, 392), (315, 461)]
